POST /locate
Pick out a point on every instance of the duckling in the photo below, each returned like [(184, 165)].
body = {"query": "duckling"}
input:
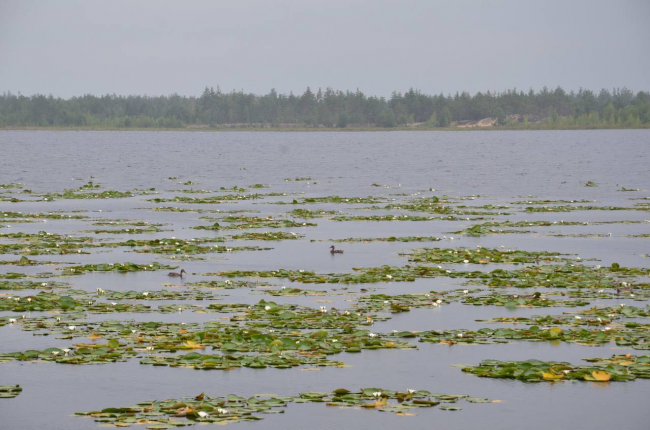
[(177, 273), (335, 251)]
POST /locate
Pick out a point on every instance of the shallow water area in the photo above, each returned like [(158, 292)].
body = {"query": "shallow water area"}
[(465, 170)]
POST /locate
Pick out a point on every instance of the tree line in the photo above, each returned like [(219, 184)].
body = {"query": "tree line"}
[(329, 108)]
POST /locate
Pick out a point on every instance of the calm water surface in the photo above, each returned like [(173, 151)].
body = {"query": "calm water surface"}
[(498, 167)]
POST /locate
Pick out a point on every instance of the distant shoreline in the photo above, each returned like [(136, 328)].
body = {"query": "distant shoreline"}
[(332, 129)]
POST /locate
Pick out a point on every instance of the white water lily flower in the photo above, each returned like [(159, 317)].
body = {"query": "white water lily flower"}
[(439, 267), (607, 328), (448, 271), (267, 308), (386, 302), (113, 303), (578, 317), (133, 331), (12, 320), (145, 293), (599, 319), (372, 334), (58, 319), (410, 391), (284, 288), (202, 414), (72, 328), (459, 335), (622, 305), (66, 351), (55, 353), (150, 348), (438, 301), (465, 261), (598, 266), (222, 411), (389, 276), (44, 284), (377, 394), (323, 309), (23, 316), (465, 291)]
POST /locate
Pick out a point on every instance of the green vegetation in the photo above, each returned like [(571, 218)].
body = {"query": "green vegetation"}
[(617, 368), (332, 109), (204, 409), (9, 391)]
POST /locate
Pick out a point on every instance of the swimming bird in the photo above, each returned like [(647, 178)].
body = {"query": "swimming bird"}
[(335, 251), (177, 273)]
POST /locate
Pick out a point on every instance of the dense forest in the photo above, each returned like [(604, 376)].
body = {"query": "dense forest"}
[(330, 108)]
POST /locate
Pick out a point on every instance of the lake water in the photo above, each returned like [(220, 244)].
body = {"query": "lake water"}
[(495, 168)]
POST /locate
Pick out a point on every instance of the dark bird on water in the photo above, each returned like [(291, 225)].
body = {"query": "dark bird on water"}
[(335, 251), (177, 273)]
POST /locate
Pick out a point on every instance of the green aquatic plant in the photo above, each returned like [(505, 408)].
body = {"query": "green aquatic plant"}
[(32, 285), (115, 267), (633, 337), (10, 391), (268, 235), (395, 217), (215, 199), (567, 208), (535, 300), (308, 214), (617, 368), (43, 215), (83, 194), (242, 223), (479, 255), (134, 230), (384, 239), (110, 352), (205, 409)]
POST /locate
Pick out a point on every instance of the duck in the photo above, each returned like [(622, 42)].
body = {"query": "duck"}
[(177, 273), (335, 251)]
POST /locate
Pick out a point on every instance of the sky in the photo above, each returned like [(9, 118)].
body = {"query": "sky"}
[(74, 47)]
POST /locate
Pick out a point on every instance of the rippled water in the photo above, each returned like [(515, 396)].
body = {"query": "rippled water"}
[(501, 167)]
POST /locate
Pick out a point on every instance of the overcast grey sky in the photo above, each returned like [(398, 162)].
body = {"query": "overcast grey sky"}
[(73, 47)]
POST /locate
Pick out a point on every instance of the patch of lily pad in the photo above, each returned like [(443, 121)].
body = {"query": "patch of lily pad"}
[(10, 391), (226, 409), (618, 368)]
